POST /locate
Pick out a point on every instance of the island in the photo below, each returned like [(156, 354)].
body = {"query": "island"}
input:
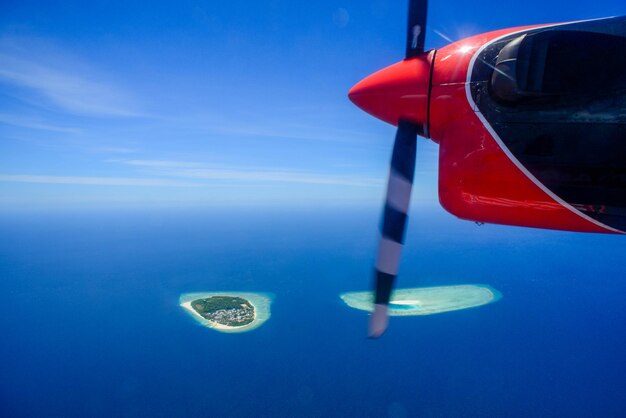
[(427, 300), (229, 312)]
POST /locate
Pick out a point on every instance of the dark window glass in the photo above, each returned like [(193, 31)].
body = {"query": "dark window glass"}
[(559, 63)]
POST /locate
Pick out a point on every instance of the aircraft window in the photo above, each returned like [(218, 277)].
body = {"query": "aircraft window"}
[(559, 63)]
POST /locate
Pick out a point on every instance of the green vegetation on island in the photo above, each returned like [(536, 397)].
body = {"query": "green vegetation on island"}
[(231, 311)]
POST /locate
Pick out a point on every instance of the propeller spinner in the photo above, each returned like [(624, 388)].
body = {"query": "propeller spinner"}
[(398, 95)]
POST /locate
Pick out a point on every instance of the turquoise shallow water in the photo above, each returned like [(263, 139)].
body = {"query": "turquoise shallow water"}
[(92, 327), (403, 307)]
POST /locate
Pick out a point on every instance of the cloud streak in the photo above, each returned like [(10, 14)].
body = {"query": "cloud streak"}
[(30, 123), (116, 150), (203, 171), (93, 181), (63, 80), (160, 163)]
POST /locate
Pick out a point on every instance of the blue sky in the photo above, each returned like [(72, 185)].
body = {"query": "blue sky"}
[(193, 104)]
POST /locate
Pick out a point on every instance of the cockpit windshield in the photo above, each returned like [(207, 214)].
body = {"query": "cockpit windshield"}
[(559, 63)]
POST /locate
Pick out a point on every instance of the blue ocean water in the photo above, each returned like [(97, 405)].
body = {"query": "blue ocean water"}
[(91, 324)]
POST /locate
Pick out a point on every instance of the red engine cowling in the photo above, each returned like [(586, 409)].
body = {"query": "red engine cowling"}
[(479, 178)]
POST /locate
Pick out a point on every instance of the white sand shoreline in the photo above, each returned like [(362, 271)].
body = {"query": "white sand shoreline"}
[(260, 302)]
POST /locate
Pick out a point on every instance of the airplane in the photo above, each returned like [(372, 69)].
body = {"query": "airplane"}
[(531, 127)]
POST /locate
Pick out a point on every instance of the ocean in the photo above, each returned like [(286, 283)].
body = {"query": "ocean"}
[(91, 325)]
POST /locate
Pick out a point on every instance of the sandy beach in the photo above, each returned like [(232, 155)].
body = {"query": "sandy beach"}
[(259, 301)]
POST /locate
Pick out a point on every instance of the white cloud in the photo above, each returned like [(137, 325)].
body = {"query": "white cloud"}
[(64, 80), (32, 123), (117, 150), (161, 163), (280, 176), (197, 170), (93, 181)]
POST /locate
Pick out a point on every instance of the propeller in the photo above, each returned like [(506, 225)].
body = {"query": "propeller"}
[(395, 217), (416, 28), (399, 95)]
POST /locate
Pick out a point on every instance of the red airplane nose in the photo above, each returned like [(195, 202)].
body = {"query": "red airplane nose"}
[(397, 92)]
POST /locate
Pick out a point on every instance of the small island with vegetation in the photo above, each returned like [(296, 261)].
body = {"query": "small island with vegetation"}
[(225, 310), (228, 311)]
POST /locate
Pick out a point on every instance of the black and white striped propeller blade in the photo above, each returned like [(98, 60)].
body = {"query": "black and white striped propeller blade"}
[(416, 28), (399, 187), (395, 217)]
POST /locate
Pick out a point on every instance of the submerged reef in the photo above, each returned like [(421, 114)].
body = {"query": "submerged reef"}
[(427, 300)]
